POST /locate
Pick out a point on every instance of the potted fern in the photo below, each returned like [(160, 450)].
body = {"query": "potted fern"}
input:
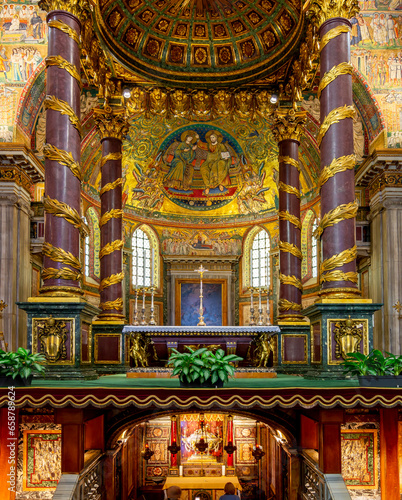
[(375, 369), (202, 367), (17, 368)]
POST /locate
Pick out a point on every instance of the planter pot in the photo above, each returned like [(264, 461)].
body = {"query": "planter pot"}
[(380, 380), (205, 385), (15, 382)]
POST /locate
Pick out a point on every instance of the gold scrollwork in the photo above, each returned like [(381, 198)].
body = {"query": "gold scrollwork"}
[(111, 156), (339, 276), (338, 214), (111, 185), (52, 336), (290, 161), (64, 273), (111, 124), (52, 102), (321, 11), (289, 189), (111, 247), (64, 158), (337, 165), (59, 209), (78, 8), (62, 63), (113, 279), (331, 34), (65, 28), (115, 213), (334, 116), (60, 255), (285, 215), (288, 124), (286, 305), (344, 68), (339, 259), (284, 246), (347, 335), (112, 304), (290, 280)]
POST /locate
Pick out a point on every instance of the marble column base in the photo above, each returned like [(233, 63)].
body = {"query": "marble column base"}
[(109, 347), (293, 347)]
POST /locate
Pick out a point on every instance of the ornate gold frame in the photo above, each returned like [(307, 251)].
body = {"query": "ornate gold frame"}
[(72, 340), (96, 336), (365, 339), (305, 349)]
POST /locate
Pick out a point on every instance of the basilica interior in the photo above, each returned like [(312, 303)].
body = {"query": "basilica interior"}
[(222, 175)]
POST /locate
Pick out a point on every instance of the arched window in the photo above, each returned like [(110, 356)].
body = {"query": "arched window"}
[(314, 251), (141, 259), (309, 246), (260, 271), (86, 252), (95, 230)]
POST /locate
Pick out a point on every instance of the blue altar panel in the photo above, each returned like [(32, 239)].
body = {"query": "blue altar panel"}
[(190, 303)]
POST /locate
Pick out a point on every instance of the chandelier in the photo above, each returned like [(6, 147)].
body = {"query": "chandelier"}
[(174, 448), (257, 452), (147, 453)]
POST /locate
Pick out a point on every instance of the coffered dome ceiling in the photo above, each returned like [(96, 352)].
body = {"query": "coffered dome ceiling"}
[(177, 43)]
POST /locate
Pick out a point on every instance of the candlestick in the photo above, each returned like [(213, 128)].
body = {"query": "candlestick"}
[(201, 270), (143, 321), (268, 314), (180, 470), (252, 320), (260, 317), (136, 322), (152, 321)]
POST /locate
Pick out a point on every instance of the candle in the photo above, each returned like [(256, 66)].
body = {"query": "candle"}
[(152, 266), (180, 470), (223, 470)]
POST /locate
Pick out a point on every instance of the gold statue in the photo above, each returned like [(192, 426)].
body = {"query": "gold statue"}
[(137, 102), (222, 106), (202, 105), (140, 344), (180, 104), (264, 345), (158, 100)]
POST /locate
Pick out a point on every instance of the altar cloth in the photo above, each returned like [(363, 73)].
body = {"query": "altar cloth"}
[(201, 483)]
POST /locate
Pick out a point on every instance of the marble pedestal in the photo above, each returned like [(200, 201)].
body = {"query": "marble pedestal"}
[(109, 347), (293, 347)]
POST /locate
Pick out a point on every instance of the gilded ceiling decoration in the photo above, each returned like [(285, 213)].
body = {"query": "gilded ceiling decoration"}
[(182, 43)]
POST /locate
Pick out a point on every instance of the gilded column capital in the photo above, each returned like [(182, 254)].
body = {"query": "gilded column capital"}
[(112, 124), (324, 10), (78, 8), (288, 124)]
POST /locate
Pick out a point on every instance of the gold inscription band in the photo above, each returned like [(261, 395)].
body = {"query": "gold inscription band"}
[(290, 161), (290, 280), (289, 189), (61, 63), (112, 304), (111, 247), (285, 215), (60, 255), (334, 116), (111, 185), (115, 213), (338, 214), (64, 273), (64, 158), (344, 68), (59, 209), (339, 276), (338, 260), (65, 28), (337, 165), (331, 34), (286, 305), (111, 156), (111, 280), (52, 102), (289, 247)]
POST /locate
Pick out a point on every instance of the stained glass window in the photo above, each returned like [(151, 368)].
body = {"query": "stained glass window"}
[(260, 273), (141, 259)]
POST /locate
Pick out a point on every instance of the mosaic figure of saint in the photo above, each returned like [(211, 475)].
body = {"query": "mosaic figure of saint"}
[(215, 169), (181, 170)]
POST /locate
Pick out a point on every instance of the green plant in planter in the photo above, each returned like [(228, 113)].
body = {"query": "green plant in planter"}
[(373, 364), (202, 366), (20, 363)]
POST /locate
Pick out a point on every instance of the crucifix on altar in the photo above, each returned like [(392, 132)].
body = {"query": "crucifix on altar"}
[(201, 270)]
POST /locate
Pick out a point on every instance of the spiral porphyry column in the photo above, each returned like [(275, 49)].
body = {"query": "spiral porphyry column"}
[(63, 223), (288, 128), (113, 127), (338, 206)]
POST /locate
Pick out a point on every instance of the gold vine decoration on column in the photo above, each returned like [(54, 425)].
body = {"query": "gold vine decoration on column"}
[(290, 280), (339, 276), (111, 185), (62, 63), (113, 279), (52, 102), (286, 305), (59, 209), (289, 189), (338, 214), (285, 215), (344, 68), (334, 116), (59, 255), (64, 273), (290, 161), (331, 34), (337, 165), (115, 213), (339, 259), (111, 247), (64, 158), (112, 304), (284, 246), (65, 28), (111, 156)]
